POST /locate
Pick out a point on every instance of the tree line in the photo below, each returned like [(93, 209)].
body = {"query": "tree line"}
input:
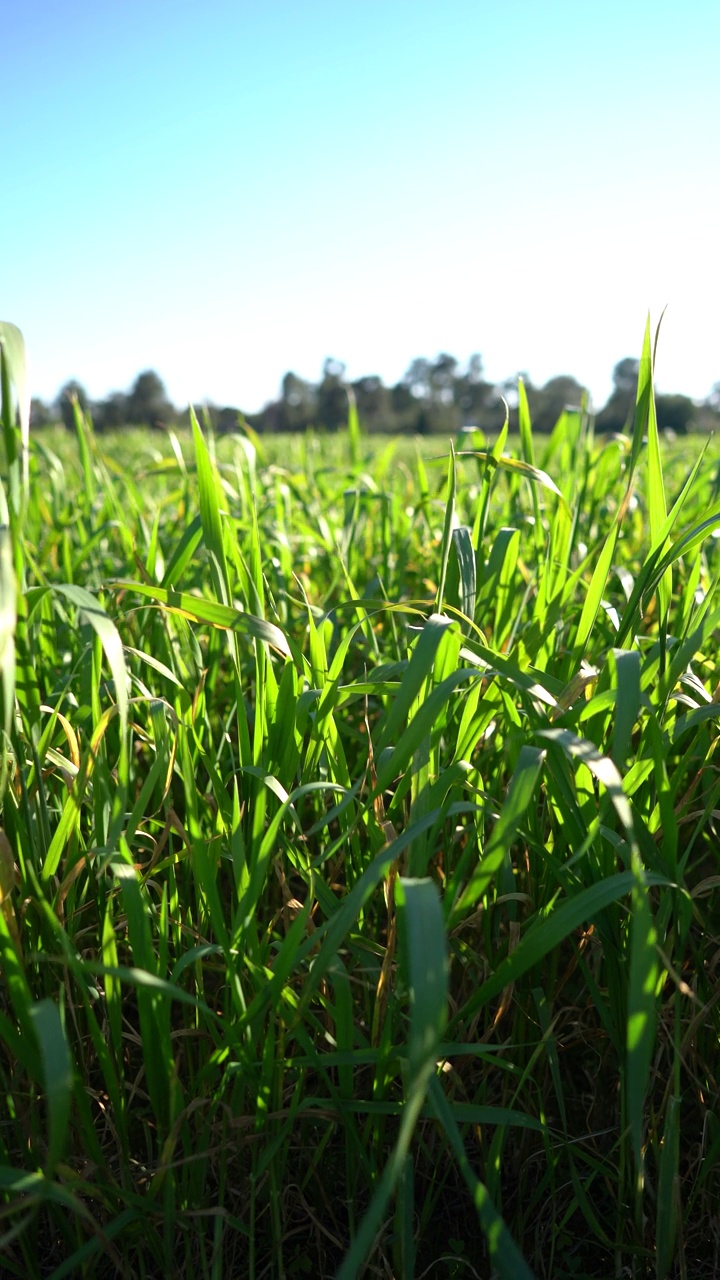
[(433, 397)]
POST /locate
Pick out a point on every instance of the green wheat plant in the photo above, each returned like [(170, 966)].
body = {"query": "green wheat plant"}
[(359, 877)]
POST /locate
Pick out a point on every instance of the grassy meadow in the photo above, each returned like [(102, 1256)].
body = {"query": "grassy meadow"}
[(359, 871)]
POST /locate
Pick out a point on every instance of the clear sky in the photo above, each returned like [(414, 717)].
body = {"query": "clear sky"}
[(223, 191)]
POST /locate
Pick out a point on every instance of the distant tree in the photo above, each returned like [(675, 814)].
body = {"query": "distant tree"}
[(332, 397), (615, 416), (424, 422), (206, 414), (431, 386), (625, 376), (401, 399), (442, 378), (147, 403), (333, 368), (67, 396), (40, 413), (111, 413), (266, 419), (373, 403), (713, 400), (227, 420), (418, 378), (297, 407), (508, 388), (548, 402), (676, 413), (618, 412), (472, 394)]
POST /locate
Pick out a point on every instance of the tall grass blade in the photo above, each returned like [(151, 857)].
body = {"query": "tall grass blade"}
[(670, 1210), (546, 934), (354, 437), (467, 572), (8, 620), (641, 1014), (13, 375), (448, 526), (210, 511), (508, 1262), (595, 591), (657, 509), (427, 971), (57, 1074), (419, 669), (224, 617), (519, 796), (96, 615)]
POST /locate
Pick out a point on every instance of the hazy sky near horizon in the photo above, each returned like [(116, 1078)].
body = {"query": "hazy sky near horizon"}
[(226, 191)]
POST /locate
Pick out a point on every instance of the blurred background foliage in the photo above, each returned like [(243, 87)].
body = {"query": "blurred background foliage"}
[(437, 396)]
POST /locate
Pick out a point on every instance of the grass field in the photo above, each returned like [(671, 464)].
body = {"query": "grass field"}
[(359, 872)]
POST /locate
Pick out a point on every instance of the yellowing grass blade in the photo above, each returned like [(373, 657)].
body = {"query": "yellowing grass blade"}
[(517, 466)]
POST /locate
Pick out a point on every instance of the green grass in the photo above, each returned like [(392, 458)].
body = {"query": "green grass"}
[(359, 877)]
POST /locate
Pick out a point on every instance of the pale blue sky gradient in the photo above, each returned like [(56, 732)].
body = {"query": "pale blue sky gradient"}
[(225, 191)]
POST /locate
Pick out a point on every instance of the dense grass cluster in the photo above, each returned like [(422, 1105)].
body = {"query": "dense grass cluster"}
[(359, 874)]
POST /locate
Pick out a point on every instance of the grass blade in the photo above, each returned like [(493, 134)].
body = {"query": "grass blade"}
[(57, 1074), (222, 616), (426, 957), (507, 1260), (519, 796)]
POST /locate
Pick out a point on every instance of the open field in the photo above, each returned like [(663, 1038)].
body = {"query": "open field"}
[(359, 870)]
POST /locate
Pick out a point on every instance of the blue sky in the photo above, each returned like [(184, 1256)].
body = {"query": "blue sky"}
[(225, 191)]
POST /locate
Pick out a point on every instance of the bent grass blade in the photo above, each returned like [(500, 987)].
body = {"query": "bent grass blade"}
[(224, 617)]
